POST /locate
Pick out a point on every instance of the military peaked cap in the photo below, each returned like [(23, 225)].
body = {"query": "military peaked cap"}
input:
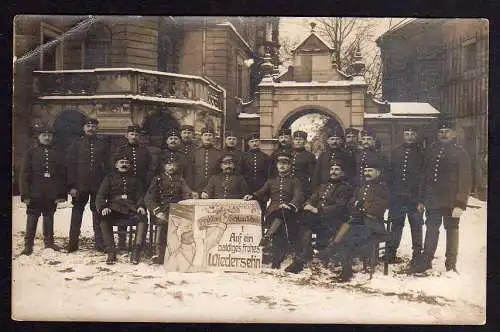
[(134, 129), (187, 127), (300, 133), (207, 130), (172, 132), (253, 136), (285, 131), (92, 121), (447, 122)]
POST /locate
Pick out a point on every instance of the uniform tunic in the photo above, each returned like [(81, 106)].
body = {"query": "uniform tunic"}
[(374, 199), (325, 161), (446, 180), (226, 186), (121, 192), (187, 148), (284, 189), (165, 189), (185, 164), (303, 164), (331, 199), (87, 163), (42, 175), (404, 173), (255, 168), (206, 163), (238, 157), (362, 157)]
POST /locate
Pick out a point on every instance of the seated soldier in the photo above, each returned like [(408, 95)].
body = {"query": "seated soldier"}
[(227, 185), (324, 212), (286, 197), (165, 188), (120, 198), (365, 227)]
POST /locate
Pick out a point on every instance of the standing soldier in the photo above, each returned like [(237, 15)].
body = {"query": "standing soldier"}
[(351, 140), (174, 150), (205, 159), (334, 152), (303, 162), (87, 164), (42, 186), (403, 180), (229, 184), (284, 145), (368, 143), (231, 146), (446, 184), (187, 136), (140, 165), (324, 212), (255, 166), (286, 197)]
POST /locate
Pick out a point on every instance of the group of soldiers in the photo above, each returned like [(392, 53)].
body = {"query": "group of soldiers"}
[(341, 196)]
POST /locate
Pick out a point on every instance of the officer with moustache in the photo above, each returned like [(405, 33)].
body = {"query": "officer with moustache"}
[(286, 197), (187, 139), (205, 160), (42, 186), (335, 152), (87, 165), (323, 213), (403, 179), (446, 184), (229, 184), (351, 141), (231, 146), (120, 198), (141, 165), (303, 162), (255, 166), (368, 151), (174, 150), (284, 145)]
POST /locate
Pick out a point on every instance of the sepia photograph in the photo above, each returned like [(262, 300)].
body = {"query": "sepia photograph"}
[(239, 169)]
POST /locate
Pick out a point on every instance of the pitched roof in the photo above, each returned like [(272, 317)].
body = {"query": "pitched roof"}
[(307, 38)]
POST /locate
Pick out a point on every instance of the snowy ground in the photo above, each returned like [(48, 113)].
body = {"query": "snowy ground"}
[(53, 285)]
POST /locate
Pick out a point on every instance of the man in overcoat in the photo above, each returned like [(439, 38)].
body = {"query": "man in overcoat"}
[(205, 160), (303, 162), (229, 184), (284, 145)]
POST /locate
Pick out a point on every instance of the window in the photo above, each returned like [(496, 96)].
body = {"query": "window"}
[(239, 80), (52, 52), (96, 47), (49, 55), (470, 56)]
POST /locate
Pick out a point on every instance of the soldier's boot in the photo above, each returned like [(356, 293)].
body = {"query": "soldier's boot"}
[(29, 237), (111, 259), (135, 257), (74, 229), (275, 225), (98, 236), (140, 232), (159, 255), (392, 248), (295, 267), (346, 274), (48, 233), (452, 236), (424, 263), (416, 240)]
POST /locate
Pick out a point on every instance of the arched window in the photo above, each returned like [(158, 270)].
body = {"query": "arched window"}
[(97, 47)]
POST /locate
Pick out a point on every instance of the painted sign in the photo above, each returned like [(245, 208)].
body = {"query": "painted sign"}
[(214, 235)]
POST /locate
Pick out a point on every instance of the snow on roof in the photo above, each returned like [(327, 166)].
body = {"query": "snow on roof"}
[(135, 97), (294, 84), (146, 71), (248, 116), (307, 37), (230, 25), (412, 108), (392, 116)]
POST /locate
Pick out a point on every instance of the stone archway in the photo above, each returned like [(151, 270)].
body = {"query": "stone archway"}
[(292, 116)]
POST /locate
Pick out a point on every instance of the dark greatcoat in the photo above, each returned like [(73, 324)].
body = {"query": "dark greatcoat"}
[(446, 180), (140, 161), (303, 164), (255, 168), (165, 189), (331, 199), (373, 197), (188, 148), (404, 173), (226, 186), (42, 174), (325, 161), (206, 163), (87, 163)]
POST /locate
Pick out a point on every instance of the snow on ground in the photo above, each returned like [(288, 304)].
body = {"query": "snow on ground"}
[(53, 285)]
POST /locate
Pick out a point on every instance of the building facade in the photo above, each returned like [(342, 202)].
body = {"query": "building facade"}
[(444, 62), (157, 72)]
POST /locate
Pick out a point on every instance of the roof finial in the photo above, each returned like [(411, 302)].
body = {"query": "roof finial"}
[(313, 25)]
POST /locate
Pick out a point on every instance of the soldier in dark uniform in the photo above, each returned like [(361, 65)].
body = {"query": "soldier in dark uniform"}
[(87, 165), (303, 162), (229, 184), (167, 187), (446, 184), (366, 221), (255, 166), (286, 197), (368, 142), (205, 160), (42, 186), (403, 180), (120, 198), (324, 212), (351, 141), (284, 145), (187, 136), (141, 165), (174, 150), (231, 146), (334, 152)]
